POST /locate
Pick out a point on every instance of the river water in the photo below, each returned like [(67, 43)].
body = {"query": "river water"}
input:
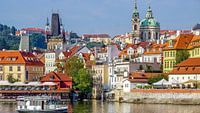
[(114, 107)]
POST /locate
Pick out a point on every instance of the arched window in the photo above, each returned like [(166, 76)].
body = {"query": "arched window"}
[(135, 27), (157, 36), (142, 35), (149, 35)]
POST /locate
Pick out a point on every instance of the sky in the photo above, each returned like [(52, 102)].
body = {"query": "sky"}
[(98, 16)]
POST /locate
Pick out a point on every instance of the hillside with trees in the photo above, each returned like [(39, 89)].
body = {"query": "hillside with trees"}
[(9, 41)]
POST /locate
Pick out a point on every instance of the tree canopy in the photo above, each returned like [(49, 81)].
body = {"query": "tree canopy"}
[(181, 55), (82, 79), (157, 78)]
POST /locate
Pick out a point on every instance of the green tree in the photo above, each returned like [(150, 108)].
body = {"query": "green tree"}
[(148, 68), (80, 76), (3, 44), (37, 40), (181, 55), (157, 78), (11, 79), (84, 81), (72, 66)]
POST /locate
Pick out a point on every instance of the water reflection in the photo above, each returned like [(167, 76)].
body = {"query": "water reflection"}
[(112, 107)]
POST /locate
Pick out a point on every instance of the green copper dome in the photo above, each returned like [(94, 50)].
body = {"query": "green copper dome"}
[(151, 22)]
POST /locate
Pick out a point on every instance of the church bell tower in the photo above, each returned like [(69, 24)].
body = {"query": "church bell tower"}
[(135, 21)]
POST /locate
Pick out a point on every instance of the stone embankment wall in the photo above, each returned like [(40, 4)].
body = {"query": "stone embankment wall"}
[(163, 96)]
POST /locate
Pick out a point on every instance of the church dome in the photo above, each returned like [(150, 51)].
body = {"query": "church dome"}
[(149, 23)]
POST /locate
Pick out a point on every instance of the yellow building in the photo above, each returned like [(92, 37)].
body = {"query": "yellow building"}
[(23, 66), (100, 79), (126, 39), (182, 42), (194, 47)]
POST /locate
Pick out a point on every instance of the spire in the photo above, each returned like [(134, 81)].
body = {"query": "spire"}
[(149, 11), (55, 24), (135, 11), (47, 24)]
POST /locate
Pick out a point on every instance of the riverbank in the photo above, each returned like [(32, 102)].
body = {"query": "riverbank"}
[(162, 96)]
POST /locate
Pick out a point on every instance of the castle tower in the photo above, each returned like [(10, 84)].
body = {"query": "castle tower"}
[(135, 21), (55, 38)]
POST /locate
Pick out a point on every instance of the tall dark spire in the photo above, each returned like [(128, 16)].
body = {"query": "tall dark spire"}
[(55, 24)]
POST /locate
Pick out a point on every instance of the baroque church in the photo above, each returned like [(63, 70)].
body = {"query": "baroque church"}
[(147, 29), (55, 34)]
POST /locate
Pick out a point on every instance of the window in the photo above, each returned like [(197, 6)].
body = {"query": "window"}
[(149, 35), (135, 27), (1, 68), (10, 68), (19, 76), (1, 77), (18, 68)]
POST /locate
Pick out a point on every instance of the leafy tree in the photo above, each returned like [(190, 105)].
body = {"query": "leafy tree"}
[(84, 81), (181, 55), (13, 30), (11, 79), (3, 44), (148, 68), (80, 76), (37, 40), (157, 78)]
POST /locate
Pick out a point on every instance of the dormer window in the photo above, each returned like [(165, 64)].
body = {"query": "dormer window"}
[(52, 78)]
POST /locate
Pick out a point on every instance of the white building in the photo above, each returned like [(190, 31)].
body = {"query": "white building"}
[(186, 71), (50, 60)]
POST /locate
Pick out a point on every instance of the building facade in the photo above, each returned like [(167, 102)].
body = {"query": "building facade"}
[(55, 37), (22, 66)]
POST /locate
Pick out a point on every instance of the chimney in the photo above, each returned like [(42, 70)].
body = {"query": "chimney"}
[(178, 33)]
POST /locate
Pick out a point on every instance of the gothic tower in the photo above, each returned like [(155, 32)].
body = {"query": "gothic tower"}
[(55, 37), (135, 21)]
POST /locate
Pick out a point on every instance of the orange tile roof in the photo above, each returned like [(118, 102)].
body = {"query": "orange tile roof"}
[(195, 42), (56, 77), (19, 57), (189, 66), (141, 77), (190, 62), (86, 56), (181, 42), (74, 49)]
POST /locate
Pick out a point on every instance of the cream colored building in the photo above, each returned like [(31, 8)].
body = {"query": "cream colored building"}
[(105, 38), (100, 79), (23, 66)]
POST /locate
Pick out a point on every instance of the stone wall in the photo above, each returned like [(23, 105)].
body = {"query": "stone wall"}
[(162, 97)]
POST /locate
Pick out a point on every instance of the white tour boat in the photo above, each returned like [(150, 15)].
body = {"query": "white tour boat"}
[(39, 104)]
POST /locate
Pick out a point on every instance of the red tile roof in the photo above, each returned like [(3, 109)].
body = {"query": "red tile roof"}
[(189, 66), (190, 62), (67, 54), (181, 42), (19, 57), (34, 29), (56, 77)]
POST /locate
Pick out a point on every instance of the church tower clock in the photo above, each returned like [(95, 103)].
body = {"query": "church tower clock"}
[(135, 21)]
